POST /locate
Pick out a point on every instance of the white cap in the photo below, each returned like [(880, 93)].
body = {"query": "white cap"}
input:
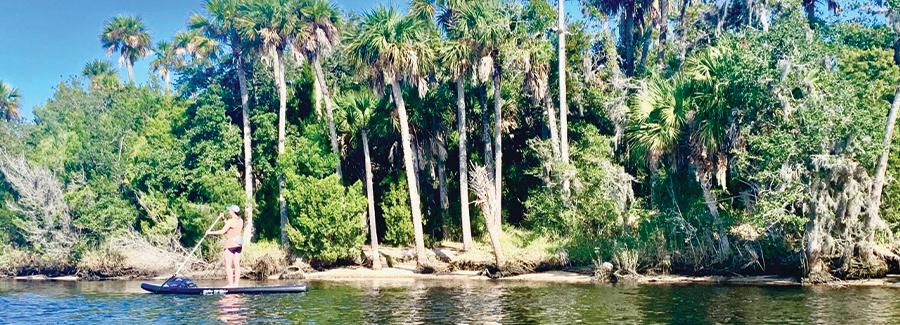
[(233, 208)]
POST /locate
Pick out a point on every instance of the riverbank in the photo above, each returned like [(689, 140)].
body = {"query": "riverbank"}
[(400, 274), (535, 261)]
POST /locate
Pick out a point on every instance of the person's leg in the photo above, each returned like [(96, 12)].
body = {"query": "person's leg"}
[(237, 269), (229, 259)]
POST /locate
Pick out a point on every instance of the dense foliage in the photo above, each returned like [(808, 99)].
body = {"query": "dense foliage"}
[(697, 138)]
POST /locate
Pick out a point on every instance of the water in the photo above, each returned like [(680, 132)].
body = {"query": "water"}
[(441, 302)]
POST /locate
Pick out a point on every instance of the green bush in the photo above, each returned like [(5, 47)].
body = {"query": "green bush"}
[(398, 227), (325, 223)]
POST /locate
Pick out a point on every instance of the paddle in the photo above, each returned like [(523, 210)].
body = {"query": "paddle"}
[(205, 233)]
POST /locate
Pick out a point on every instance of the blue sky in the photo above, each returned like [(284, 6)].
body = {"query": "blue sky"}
[(43, 42)]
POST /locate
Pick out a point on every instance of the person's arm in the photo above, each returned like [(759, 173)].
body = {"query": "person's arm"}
[(220, 231)]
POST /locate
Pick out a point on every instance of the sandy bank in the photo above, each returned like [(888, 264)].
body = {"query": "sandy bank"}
[(400, 274)]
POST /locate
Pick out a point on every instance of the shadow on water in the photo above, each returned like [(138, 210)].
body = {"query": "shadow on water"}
[(441, 302)]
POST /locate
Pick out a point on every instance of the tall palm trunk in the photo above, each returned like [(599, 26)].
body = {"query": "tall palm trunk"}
[(248, 148), (463, 165), (329, 113), (442, 190), (370, 195), (711, 203), (278, 66), (874, 207), (563, 105), (411, 179), (645, 40), (167, 81), (682, 32), (722, 16), (498, 147), (663, 32), (486, 130), (626, 35), (552, 124), (130, 66)]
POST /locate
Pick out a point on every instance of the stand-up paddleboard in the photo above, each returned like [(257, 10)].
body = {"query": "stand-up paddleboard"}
[(162, 289)]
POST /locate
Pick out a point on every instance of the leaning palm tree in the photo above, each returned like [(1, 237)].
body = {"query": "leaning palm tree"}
[(394, 48), (317, 35), (128, 37), (9, 102), (270, 24), (221, 25), (165, 61), (359, 107)]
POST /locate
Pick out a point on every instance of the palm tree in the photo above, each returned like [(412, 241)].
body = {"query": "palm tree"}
[(222, 26), (97, 68), (127, 36), (9, 102), (563, 102), (360, 109), (100, 73), (270, 23), (486, 25), (628, 10), (316, 37), (689, 109), (456, 57), (165, 61), (393, 47), (196, 47)]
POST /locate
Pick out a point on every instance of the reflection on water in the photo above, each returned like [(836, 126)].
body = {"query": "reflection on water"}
[(231, 309), (441, 302)]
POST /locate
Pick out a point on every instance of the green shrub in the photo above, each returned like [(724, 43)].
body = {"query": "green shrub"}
[(398, 227), (325, 223), (262, 259)]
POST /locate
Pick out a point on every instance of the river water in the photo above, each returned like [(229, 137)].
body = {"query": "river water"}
[(442, 302)]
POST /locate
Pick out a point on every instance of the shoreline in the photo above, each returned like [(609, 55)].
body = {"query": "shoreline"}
[(355, 274)]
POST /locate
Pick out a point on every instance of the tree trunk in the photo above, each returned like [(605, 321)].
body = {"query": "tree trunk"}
[(370, 194), (486, 130), (498, 147), (130, 66), (873, 210), (553, 126), (410, 174), (809, 6), (663, 32), (329, 113), (711, 203), (317, 93), (645, 47), (442, 192), (495, 231), (724, 15), (167, 81), (248, 149), (563, 104), (627, 38), (463, 165), (682, 32), (282, 116)]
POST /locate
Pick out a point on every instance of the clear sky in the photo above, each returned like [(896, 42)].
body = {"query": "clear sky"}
[(43, 42)]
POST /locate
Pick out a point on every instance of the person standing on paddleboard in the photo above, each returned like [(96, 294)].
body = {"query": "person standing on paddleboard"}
[(233, 230)]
